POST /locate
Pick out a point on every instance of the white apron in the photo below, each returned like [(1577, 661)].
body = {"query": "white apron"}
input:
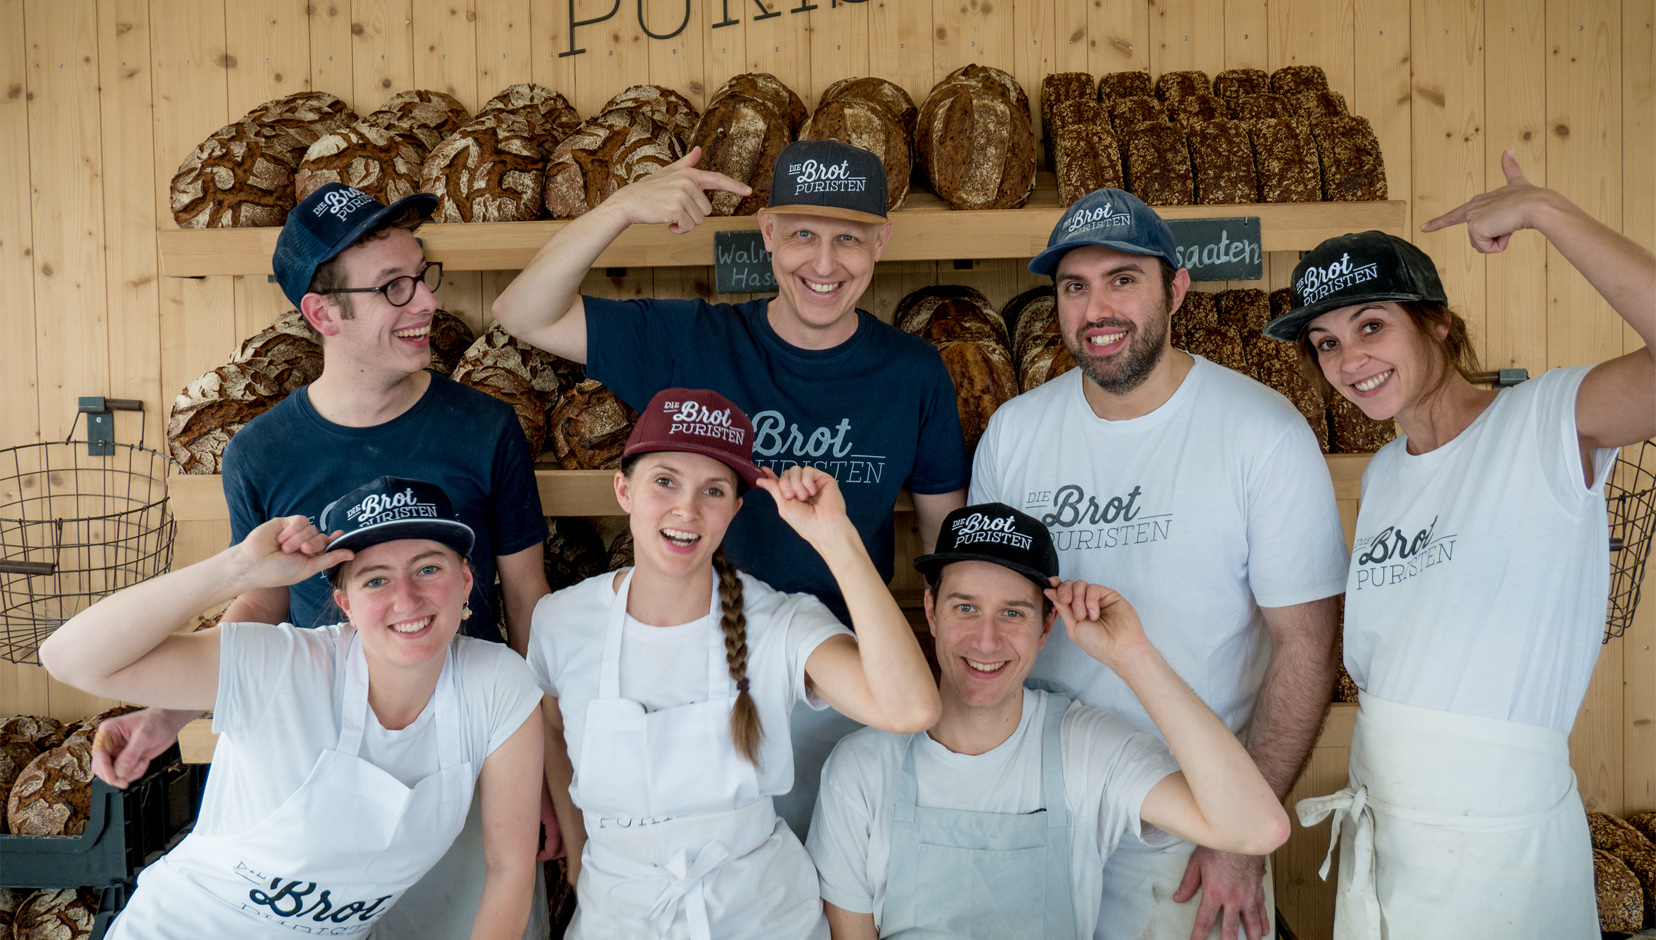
[(1457, 826), (679, 841), (333, 858), (1139, 883)]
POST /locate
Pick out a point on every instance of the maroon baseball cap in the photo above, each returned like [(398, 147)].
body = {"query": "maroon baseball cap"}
[(696, 421)]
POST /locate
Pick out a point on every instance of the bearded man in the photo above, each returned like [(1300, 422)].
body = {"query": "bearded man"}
[(1202, 497)]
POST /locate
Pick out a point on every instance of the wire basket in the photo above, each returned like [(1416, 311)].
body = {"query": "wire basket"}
[(74, 528), (1631, 499)]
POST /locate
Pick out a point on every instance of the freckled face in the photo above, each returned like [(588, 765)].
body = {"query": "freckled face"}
[(1375, 356)]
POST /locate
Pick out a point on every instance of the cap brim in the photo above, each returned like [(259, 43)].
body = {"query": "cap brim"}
[(931, 564), (1291, 326), (456, 535), (826, 212), (748, 471), (1047, 261)]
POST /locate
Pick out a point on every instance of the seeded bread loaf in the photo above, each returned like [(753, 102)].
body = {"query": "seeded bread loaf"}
[(763, 86), (516, 373), (976, 146), (888, 95), (1173, 86), (871, 127), (1255, 107), (1059, 88), (450, 338), (1235, 83), (1244, 308), (1128, 113), (56, 914), (380, 161), (1199, 308), (608, 152), (1070, 113), (1352, 432), (1012, 314), (235, 178), (1220, 345), (550, 112), (491, 170), (1620, 899), (1088, 158), (1276, 364), (1294, 79), (1286, 163), (1157, 166), (429, 115), (741, 137), (53, 794), (1349, 154), (1221, 163), (573, 552), (1125, 85), (1197, 109), (1320, 104), (290, 339), (949, 313), (666, 107), (590, 428), (991, 79), (1645, 822), (211, 409), (1610, 832)]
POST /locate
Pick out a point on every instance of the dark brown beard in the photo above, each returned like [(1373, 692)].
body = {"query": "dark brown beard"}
[(1143, 352)]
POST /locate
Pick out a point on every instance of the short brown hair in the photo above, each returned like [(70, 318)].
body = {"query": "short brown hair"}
[(1455, 352), (330, 275)]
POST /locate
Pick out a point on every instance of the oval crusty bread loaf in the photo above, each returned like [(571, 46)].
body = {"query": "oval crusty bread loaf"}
[(888, 95), (983, 381), (1037, 328), (290, 339), (1013, 313), (1620, 899), (10, 900), (491, 170), (666, 107), (235, 178), (428, 115), (990, 78), (14, 756), (1221, 163), (215, 406), (552, 114), (1173, 86), (976, 147), (870, 127), (608, 152), (53, 795), (1043, 365), (1235, 83), (741, 137), (1645, 822), (573, 553), (1293, 79), (1125, 85), (450, 338), (382, 162), (763, 86), (516, 373), (590, 428), (40, 732), (60, 914), (293, 122), (949, 313)]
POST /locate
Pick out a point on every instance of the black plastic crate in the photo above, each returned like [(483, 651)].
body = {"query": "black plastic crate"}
[(127, 830)]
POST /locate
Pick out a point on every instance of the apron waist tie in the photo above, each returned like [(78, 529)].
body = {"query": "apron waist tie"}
[(687, 878)]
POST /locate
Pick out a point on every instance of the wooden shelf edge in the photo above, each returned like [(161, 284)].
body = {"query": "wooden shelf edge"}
[(922, 232)]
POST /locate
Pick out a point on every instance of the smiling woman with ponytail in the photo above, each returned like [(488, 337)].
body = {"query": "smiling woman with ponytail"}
[(669, 687)]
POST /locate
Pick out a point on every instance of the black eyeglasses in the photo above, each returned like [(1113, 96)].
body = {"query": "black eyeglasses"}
[(400, 290)]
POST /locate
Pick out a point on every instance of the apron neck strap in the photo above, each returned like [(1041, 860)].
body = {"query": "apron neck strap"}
[(1052, 761), (354, 710), (609, 668)]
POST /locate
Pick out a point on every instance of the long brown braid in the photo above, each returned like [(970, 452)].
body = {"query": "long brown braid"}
[(745, 728)]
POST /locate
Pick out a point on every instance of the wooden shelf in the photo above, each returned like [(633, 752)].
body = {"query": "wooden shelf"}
[(924, 230)]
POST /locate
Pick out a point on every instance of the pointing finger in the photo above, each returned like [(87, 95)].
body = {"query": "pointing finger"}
[(1454, 216)]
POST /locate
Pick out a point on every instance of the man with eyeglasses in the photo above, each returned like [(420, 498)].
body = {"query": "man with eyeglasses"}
[(353, 267)]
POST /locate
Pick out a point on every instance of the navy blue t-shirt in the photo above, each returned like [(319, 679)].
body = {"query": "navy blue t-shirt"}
[(292, 461), (875, 412)]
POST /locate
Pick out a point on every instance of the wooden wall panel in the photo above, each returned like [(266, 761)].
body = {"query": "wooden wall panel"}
[(1247, 34), (677, 62), (505, 41), (330, 48), (1381, 86), (899, 46), (267, 49), (19, 398), (1118, 37), (1181, 36), (1515, 94), (382, 51), (1316, 32)]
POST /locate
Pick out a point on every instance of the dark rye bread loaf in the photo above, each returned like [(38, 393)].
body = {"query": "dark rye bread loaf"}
[(1200, 308), (741, 137), (1352, 432), (1294, 79), (763, 86), (870, 127), (1645, 822), (1349, 153), (518, 374), (1173, 86), (1012, 313), (450, 338), (429, 115), (1059, 88), (608, 152), (235, 178), (666, 107), (1088, 158), (573, 552), (1620, 899), (493, 169), (949, 313), (1220, 345), (976, 146), (1221, 163), (292, 123), (381, 161), (589, 428), (983, 380), (1069, 113), (1157, 165), (211, 409), (551, 113), (888, 95), (53, 794), (1276, 364), (1255, 107), (56, 914), (1244, 308), (1235, 83), (1127, 113), (290, 339), (1320, 104), (1285, 161), (1125, 85), (992, 79), (1197, 109)]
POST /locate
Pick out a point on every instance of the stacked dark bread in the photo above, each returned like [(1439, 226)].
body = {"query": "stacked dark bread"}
[(871, 126), (1352, 432), (55, 914), (1198, 326), (1174, 86), (666, 107), (1059, 88), (1630, 846), (1221, 162), (574, 552), (748, 121), (516, 373), (1294, 79), (1198, 109), (621, 551), (1273, 362), (1235, 83), (611, 150), (211, 409), (1155, 159), (975, 142), (971, 337), (1349, 155), (1086, 153), (1134, 111), (1125, 85), (1038, 350), (589, 427)]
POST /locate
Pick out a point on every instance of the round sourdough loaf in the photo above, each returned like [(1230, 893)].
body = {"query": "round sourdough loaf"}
[(608, 152), (976, 147), (53, 794), (554, 117), (763, 86), (516, 373), (590, 428), (493, 169), (871, 127), (450, 337), (949, 313), (983, 381), (1036, 327), (381, 161), (292, 123), (888, 95), (1013, 313), (666, 107), (741, 137), (1044, 364), (428, 115), (211, 409), (289, 339), (234, 178), (61, 914)]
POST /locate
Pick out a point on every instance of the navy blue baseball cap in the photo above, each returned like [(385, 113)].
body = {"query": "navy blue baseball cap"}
[(998, 534), (389, 508), (828, 178), (1360, 268), (327, 222), (1113, 218)]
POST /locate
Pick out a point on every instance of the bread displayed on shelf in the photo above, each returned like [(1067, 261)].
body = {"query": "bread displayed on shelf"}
[(1131, 112), (1645, 822), (429, 115), (871, 127), (608, 152), (1197, 309), (1088, 158), (551, 113), (1349, 155), (1620, 899), (1276, 364), (293, 122), (234, 178), (1177, 85), (289, 339), (10, 900), (1044, 365), (493, 169), (1197, 109), (886, 94), (1244, 308), (1125, 85), (589, 428), (1038, 347), (56, 914), (381, 161), (1060, 88), (448, 340), (975, 143), (621, 552), (763, 86), (1257, 107), (1221, 163), (741, 137), (1235, 83), (1352, 432), (1320, 104), (573, 552), (1070, 113), (1157, 165), (518, 374), (1012, 313), (211, 409), (1220, 345), (1294, 79), (1286, 164), (52, 796), (666, 107), (970, 336)]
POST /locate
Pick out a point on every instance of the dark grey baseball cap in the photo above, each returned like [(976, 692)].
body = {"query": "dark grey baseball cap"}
[(998, 534), (327, 222), (389, 508), (1113, 218), (829, 179), (1359, 268)]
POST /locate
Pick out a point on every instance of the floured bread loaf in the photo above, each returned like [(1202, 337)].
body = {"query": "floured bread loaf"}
[(1037, 326), (1174, 86), (60, 914), (1044, 365), (382, 162), (574, 552), (210, 410), (741, 137), (429, 115), (590, 428), (1130, 112), (1125, 85), (290, 339), (1157, 166), (870, 127), (763, 86), (10, 900), (608, 152), (1221, 163), (949, 313), (516, 373), (53, 794), (1349, 155), (983, 381), (450, 338), (1285, 161), (235, 178), (976, 146), (1294, 79), (493, 169), (551, 113), (38, 730), (1620, 899), (1235, 83), (292, 123), (1013, 313), (1352, 432), (1197, 109), (666, 107), (888, 95), (1088, 158), (991, 78)]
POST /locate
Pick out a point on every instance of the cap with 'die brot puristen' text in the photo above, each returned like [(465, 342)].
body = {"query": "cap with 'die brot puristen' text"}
[(998, 534), (829, 179)]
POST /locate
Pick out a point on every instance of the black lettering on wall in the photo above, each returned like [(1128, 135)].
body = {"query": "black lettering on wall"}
[(646, 27), (573, 23)]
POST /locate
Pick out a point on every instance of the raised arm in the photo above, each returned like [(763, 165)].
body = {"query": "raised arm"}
[(125, 647), (880, 678), (543, 303), (1613, 407), (509, 785)]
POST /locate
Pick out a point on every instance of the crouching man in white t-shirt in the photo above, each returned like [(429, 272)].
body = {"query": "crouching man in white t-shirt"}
[(997, 822)]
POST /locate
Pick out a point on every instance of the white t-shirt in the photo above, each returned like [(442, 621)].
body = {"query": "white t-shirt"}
[(1480, 571), (663, 667), (1201, 512), (279, 703), (1109, 768)]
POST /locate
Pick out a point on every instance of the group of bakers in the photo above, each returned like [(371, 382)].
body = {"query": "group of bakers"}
[(740, 736)]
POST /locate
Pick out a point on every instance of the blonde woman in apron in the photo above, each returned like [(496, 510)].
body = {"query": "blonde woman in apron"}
[(347, 755), (1476, 595), (669, 687)]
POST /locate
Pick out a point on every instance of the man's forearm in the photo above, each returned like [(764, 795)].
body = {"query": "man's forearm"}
[(546, 289), (1295, 693)]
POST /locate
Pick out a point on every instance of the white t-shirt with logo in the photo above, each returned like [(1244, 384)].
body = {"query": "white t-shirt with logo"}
[(1109, 768), (1480, 571), (1201, 512)]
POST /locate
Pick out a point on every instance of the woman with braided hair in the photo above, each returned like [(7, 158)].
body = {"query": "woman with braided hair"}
[(669, 687)]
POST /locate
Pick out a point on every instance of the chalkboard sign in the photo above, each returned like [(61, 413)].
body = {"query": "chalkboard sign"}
[(1219, 249), (741, 265)]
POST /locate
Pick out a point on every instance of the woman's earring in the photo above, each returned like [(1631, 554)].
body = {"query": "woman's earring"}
[(465, 611)]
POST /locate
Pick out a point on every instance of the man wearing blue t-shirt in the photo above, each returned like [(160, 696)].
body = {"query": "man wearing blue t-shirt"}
[(826, 384)]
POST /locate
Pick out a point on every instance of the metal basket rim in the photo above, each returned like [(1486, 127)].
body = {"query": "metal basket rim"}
[(166, 494)]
